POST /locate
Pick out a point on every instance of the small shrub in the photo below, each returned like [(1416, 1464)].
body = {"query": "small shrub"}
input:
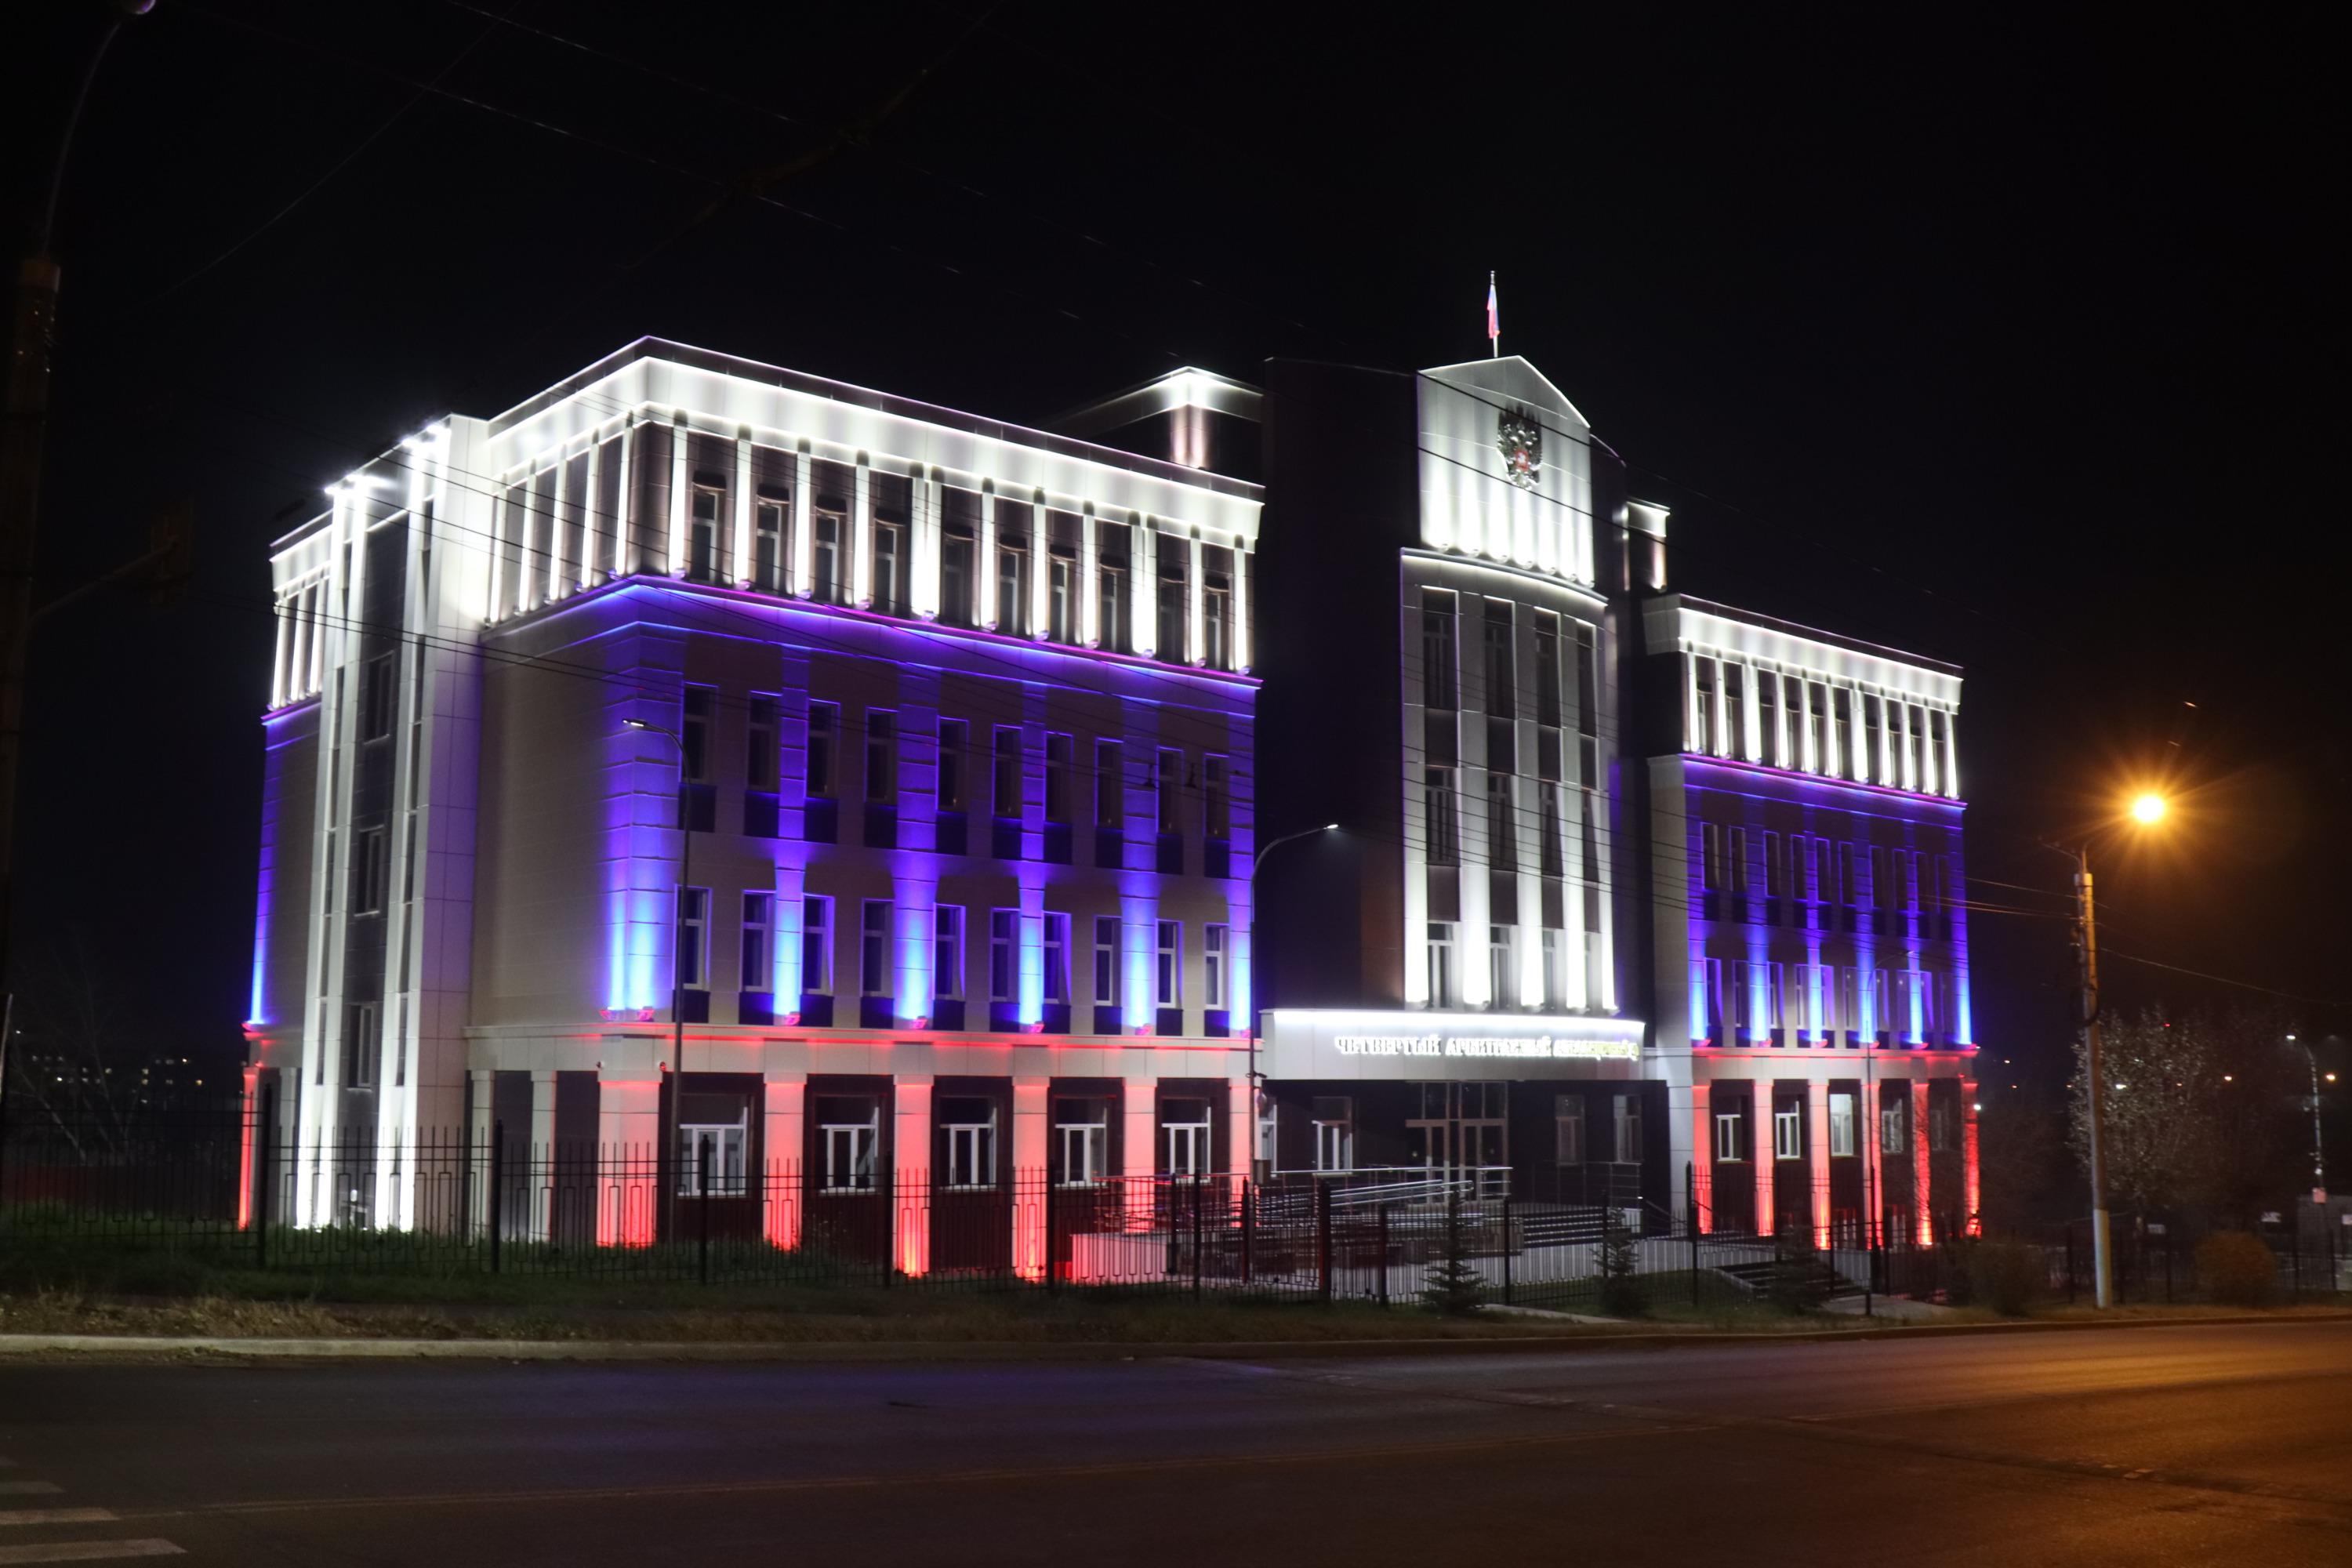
[(2007, 1276), (1454, 1284), (2236, 1268), (1623, 1294)]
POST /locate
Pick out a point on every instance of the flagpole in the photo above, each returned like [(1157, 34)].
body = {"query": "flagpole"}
[(1494, 320)]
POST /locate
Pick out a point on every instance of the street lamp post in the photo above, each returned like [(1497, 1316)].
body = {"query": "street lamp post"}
[(1256, 1084), (2147, 810), (677, 982), (2318, 1147)]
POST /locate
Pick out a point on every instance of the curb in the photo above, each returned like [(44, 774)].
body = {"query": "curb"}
[(130, 1345)]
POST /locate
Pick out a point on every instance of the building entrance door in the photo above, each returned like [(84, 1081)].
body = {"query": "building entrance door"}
[(1461, 1136)]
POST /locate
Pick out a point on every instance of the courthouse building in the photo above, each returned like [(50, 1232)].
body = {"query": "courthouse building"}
[(830, 797)]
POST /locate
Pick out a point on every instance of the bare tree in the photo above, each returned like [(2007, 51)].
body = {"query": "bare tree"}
[(76, 1070)]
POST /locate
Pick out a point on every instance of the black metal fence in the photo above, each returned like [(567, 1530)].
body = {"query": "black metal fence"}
[(236, 1195)]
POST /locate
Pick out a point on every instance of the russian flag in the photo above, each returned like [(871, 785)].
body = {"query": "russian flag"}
[(1494, 311)]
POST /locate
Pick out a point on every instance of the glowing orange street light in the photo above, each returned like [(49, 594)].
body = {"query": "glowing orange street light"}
[(2148, 808)]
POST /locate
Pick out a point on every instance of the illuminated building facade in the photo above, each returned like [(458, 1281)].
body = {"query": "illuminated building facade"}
[(916, 769)]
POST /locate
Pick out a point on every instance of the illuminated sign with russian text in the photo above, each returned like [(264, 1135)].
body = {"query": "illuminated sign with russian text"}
[(1546, 1046)]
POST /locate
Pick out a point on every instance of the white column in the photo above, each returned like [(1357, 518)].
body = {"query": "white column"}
[(557, 495), (804, 540), (592, 526), (618, 561), (1030, 1171), (278, 659), (1041, 568), (1139, 1148), (681, 498), (1091, 630), (1238, 634), (983, 568), (1143, 601), (538, 1154), (779, 1167), (1817, 1112), (1194, 588), (910, 1193), (861, 534), (739, 570), (478, 1151)]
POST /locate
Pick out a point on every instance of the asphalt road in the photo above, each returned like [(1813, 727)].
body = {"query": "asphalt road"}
[(2142, 1446)]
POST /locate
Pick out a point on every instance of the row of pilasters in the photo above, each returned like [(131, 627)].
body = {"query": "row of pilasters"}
[(1766, 1172)]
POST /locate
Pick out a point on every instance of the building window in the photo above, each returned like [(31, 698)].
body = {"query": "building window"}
[(711, 1156), (873, 948), (1768, 718), (1082, 1132), (759, 944), (1502, 967), (702, 537), (768, 547), (1185, 1141), (890, 568), (947, 951), (952, 742), (849, 1133), (1170, 630), (1627, 1115), (1334, 1116), (1546, 639), (1854, 765), (1787, 1133), (1893, 1137), (1057, 957), (1706, 735), (1214, 957), (1168, 785), (1441, 831), (825, 556), (760, 755), (1939, 1126), (816, 944), (1728, 1127), (1217, 799), (968, 1127), (1060, 599), (1110, 607), (378, 679), (1110, 785), (1003, 954), (1841, 1124), (1011, 581), (694, 732), (1873, 744), (693, 938), (1502, 835), (1441, 983), (1168, 982), (370, 868), (1440, 682), (1568, 1128), (1735, 711), (1006, 795), (1059, 763), (1216, 611), (881, 756), (956, 576), (1107, 966), (360, 1045), (824, 723)]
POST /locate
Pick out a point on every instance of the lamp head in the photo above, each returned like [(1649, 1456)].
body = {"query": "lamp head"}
[(635, 724), (2147, 809)]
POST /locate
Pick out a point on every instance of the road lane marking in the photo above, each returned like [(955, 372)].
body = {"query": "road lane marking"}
[(29, 1489), (89, 1552), (53, 1516), (916, 1478)]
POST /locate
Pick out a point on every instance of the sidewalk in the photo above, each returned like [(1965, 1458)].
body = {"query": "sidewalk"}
[(1578, 1339)]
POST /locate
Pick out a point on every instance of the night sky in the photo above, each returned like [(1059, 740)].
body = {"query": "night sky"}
[(2001, 344)]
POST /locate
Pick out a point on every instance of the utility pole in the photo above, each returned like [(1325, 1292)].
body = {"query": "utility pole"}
[(2096, 1088), (2318, 1147), (31, 348)]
